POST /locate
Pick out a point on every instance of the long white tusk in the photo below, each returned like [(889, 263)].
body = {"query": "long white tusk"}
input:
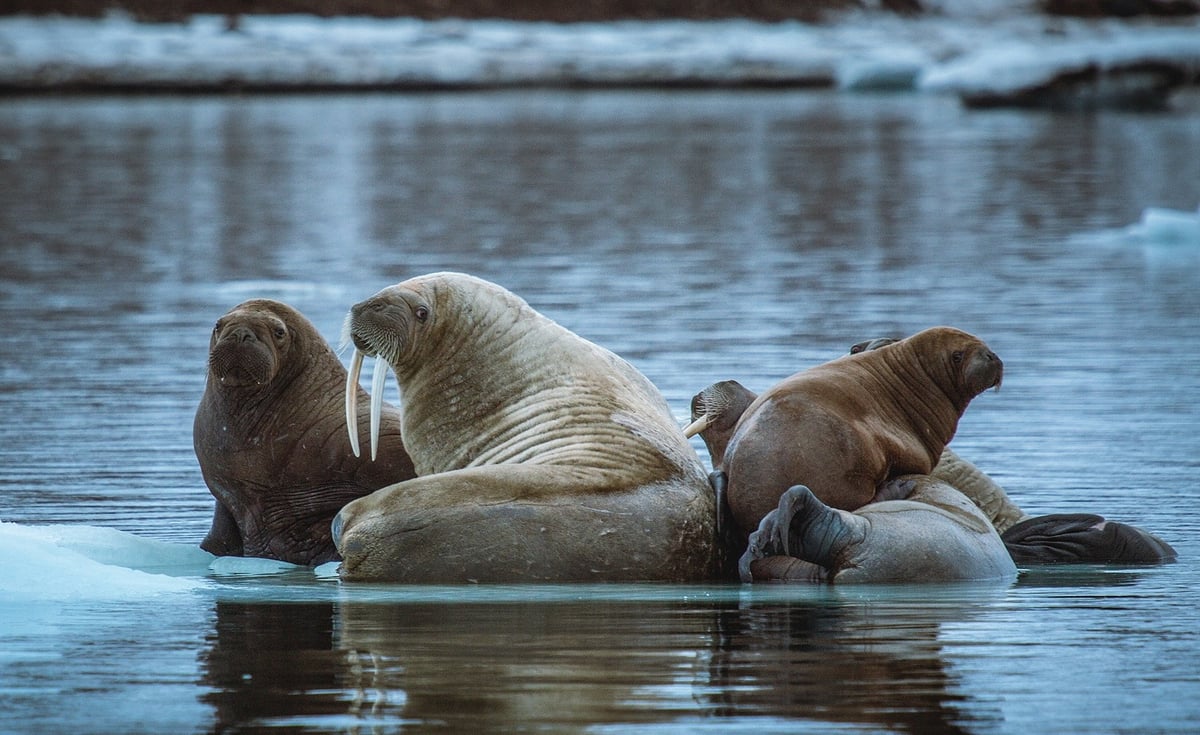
[(696, 427), (377, 384), (352, 400)]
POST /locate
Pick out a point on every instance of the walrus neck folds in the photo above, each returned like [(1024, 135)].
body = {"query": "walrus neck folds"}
[(496, 344), (505, 384), (921, 397)]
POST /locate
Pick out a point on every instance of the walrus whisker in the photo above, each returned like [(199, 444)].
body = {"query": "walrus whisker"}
[(696, 426), (352, 399), (378, 380)]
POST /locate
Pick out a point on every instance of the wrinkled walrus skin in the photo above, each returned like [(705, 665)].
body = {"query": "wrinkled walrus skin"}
[(270, 436), (540, 456)]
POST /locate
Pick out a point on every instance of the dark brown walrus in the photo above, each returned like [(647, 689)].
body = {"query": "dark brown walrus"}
[(270, 435), (846, 427)]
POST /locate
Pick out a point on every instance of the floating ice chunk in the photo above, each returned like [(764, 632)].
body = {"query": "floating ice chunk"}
[(86, 562), (328, 570), (1161, 226), (239, 566), (900, 72)]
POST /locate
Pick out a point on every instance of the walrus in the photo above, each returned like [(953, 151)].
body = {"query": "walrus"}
[(933, 534), (271, 438), (846, 427), (540, 456), (1057, 538), (1030, 540)]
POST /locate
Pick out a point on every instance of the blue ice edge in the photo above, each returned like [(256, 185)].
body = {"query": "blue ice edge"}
[(67, 563)]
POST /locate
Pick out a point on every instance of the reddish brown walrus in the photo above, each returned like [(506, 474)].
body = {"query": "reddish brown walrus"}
[(270, 435), (848, 426)]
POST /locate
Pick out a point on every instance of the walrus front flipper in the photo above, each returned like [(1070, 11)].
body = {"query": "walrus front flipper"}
[(224, 538), (1081, 538), (730, 544)]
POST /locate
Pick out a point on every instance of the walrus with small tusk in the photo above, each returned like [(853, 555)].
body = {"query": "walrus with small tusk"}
[(540, 456), (270, 437)]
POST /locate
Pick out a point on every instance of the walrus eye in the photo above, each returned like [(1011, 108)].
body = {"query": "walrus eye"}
[(421, 312), (280, 332), (957, 357)]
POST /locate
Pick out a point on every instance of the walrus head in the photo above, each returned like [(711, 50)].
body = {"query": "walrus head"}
[(248, 345), (960, 363), (715, 413), (386, 327)]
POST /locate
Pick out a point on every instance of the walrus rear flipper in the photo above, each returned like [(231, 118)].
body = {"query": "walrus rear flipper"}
[(1082, 538)]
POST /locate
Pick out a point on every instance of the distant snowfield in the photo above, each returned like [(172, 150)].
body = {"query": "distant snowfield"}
[(982, 46)]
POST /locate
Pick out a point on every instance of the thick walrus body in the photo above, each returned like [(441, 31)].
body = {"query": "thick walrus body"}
[(846, 427), (541, 456), (270, 436)]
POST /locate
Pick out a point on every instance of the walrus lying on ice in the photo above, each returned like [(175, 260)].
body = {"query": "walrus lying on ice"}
[(540, 456), (270, 436)]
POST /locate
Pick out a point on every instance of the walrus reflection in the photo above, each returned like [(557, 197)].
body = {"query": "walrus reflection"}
[(270, 436), (273, 661), (567, 666), (836, 658)]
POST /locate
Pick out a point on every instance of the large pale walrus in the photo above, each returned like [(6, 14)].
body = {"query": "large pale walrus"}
[(933, 534), (540, 456), (270, 435), (846, 427)]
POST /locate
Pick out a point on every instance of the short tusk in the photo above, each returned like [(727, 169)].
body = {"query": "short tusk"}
[(352, 399), (378, 379), (696, 427)]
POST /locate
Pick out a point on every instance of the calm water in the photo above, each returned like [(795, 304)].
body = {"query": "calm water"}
[(701, 235)]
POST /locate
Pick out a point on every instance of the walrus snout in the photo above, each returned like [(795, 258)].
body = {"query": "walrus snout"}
[(237, 361), (987, 370)]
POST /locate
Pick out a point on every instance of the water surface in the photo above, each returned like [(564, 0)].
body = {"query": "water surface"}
[(703, 236)]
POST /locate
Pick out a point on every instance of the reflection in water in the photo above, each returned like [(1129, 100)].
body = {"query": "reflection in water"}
[(268, 661), (568, 665), (703, 236)]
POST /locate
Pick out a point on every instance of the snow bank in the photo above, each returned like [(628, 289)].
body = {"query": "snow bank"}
[(982, 45)]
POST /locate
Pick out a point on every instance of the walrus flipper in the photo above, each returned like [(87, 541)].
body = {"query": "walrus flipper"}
[(814, 531), (224, 538), (801, 540), (730, 543), (1083, 538)]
